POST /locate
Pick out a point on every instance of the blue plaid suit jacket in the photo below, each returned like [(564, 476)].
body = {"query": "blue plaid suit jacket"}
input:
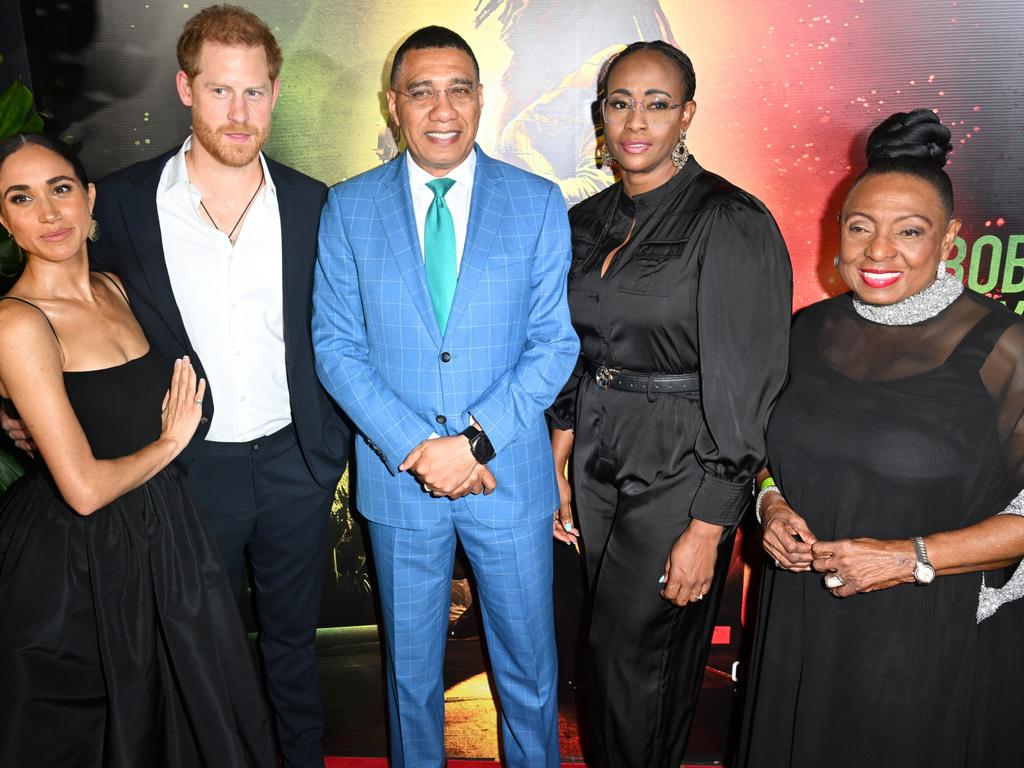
[(510, 341)]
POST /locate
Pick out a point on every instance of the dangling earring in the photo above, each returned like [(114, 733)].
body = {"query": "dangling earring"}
[(606, 155), (680, 154), (835, 261), (942, 269), (94, 231)]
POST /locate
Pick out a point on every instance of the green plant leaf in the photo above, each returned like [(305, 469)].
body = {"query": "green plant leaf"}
[(34, 124), (15, 108), (10, 470)]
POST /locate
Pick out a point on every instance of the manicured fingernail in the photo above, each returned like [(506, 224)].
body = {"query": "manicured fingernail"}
[(661, 580)]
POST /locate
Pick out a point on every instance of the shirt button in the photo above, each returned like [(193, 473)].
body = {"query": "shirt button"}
[(440, 418), (446, 357)]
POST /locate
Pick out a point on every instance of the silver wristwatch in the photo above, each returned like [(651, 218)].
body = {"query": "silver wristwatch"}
[(924, 573)]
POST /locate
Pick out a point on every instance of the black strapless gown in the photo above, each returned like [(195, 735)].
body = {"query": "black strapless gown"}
[(121, 644)]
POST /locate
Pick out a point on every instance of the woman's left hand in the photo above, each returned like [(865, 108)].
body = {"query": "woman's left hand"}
[(865, 565), (690, 567)]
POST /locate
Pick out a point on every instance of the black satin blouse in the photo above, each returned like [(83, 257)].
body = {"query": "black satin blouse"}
[(703, 285)]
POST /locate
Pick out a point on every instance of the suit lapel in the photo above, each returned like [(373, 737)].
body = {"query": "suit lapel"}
[(488, 202), (142, 222), (396, 212), (294, 295)]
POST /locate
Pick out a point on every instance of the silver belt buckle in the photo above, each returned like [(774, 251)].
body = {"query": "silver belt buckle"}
[(604, 376)]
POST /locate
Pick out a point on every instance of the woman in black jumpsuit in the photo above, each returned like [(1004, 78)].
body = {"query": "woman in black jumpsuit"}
[(680, 291)]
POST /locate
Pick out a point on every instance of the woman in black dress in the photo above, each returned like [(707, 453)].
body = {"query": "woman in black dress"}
[(680, 291), (898, 448), (121, 644)]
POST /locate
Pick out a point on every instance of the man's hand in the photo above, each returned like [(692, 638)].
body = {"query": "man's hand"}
[(442, 465), (15, 429), (481, 480)]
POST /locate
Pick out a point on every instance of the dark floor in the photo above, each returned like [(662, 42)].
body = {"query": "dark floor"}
[(352, 688)]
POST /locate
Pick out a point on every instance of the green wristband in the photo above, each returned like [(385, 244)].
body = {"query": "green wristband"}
[(768, 482)]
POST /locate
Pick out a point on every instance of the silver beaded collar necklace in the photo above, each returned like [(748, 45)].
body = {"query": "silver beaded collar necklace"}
[(924, 304)]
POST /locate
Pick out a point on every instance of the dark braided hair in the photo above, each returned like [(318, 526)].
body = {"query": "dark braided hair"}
[(667, 50), (915, 144)]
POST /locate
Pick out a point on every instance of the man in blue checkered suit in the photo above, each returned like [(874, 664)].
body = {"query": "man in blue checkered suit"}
[(448, 388)]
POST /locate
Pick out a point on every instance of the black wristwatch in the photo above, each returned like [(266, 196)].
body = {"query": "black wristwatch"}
[(479, 444)]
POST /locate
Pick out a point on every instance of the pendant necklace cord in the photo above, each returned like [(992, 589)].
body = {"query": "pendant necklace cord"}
[(245, 211)]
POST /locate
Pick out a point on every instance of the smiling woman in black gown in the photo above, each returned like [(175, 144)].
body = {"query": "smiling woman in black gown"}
[(680, 291), (903, 418), (121, 645)]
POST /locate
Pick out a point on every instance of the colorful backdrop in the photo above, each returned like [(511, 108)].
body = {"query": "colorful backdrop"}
[(787, 91)]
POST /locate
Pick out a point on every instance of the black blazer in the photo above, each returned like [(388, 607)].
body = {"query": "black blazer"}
[(130, 246)]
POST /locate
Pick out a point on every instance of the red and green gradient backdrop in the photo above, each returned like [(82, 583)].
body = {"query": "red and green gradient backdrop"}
[(787, 91)]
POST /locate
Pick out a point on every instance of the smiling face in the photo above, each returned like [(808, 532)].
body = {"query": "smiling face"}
[(893, 234), (232, 99), (644, 151), (45, 206), (439, 134)]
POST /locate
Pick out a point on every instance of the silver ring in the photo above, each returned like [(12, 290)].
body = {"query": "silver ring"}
[(198, 402), (696, 597), (834, 581), (778, 564)]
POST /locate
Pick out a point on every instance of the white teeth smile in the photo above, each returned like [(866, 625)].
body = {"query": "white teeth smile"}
[(443, 134)]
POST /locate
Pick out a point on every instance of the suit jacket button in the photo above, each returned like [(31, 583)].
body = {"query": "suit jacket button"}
[(440, 419), (204, 420), (446, 357)]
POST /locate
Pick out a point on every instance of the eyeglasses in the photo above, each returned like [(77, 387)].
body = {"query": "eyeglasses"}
[(617, 109), (458, 95)]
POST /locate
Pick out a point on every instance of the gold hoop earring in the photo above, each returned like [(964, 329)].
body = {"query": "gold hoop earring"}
[(681, 153)]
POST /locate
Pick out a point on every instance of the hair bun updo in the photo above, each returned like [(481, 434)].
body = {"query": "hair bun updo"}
[(916, 135)]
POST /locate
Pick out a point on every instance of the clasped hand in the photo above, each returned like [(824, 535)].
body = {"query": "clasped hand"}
[(445, 466), (865, 565)]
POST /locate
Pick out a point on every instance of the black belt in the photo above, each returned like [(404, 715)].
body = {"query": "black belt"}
[(652, 383)]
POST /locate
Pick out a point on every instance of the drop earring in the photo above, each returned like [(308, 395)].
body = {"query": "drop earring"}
[(94, 231), (681, 153), (606, 155)]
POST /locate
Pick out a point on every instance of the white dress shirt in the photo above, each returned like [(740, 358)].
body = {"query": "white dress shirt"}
[(457, 199), (231, 302)]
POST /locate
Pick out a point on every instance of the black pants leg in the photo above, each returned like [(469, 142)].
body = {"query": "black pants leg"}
[(260, 496)]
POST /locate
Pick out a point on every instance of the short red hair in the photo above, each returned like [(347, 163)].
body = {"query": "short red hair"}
[(227, 25)]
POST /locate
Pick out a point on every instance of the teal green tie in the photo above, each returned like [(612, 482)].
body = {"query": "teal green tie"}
[(439, 252)]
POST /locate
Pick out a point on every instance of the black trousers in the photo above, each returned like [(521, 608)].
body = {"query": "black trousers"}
[(635, 477), (260, 497)]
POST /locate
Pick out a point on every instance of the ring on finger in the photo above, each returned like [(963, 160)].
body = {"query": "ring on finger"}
[(833, 580)]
